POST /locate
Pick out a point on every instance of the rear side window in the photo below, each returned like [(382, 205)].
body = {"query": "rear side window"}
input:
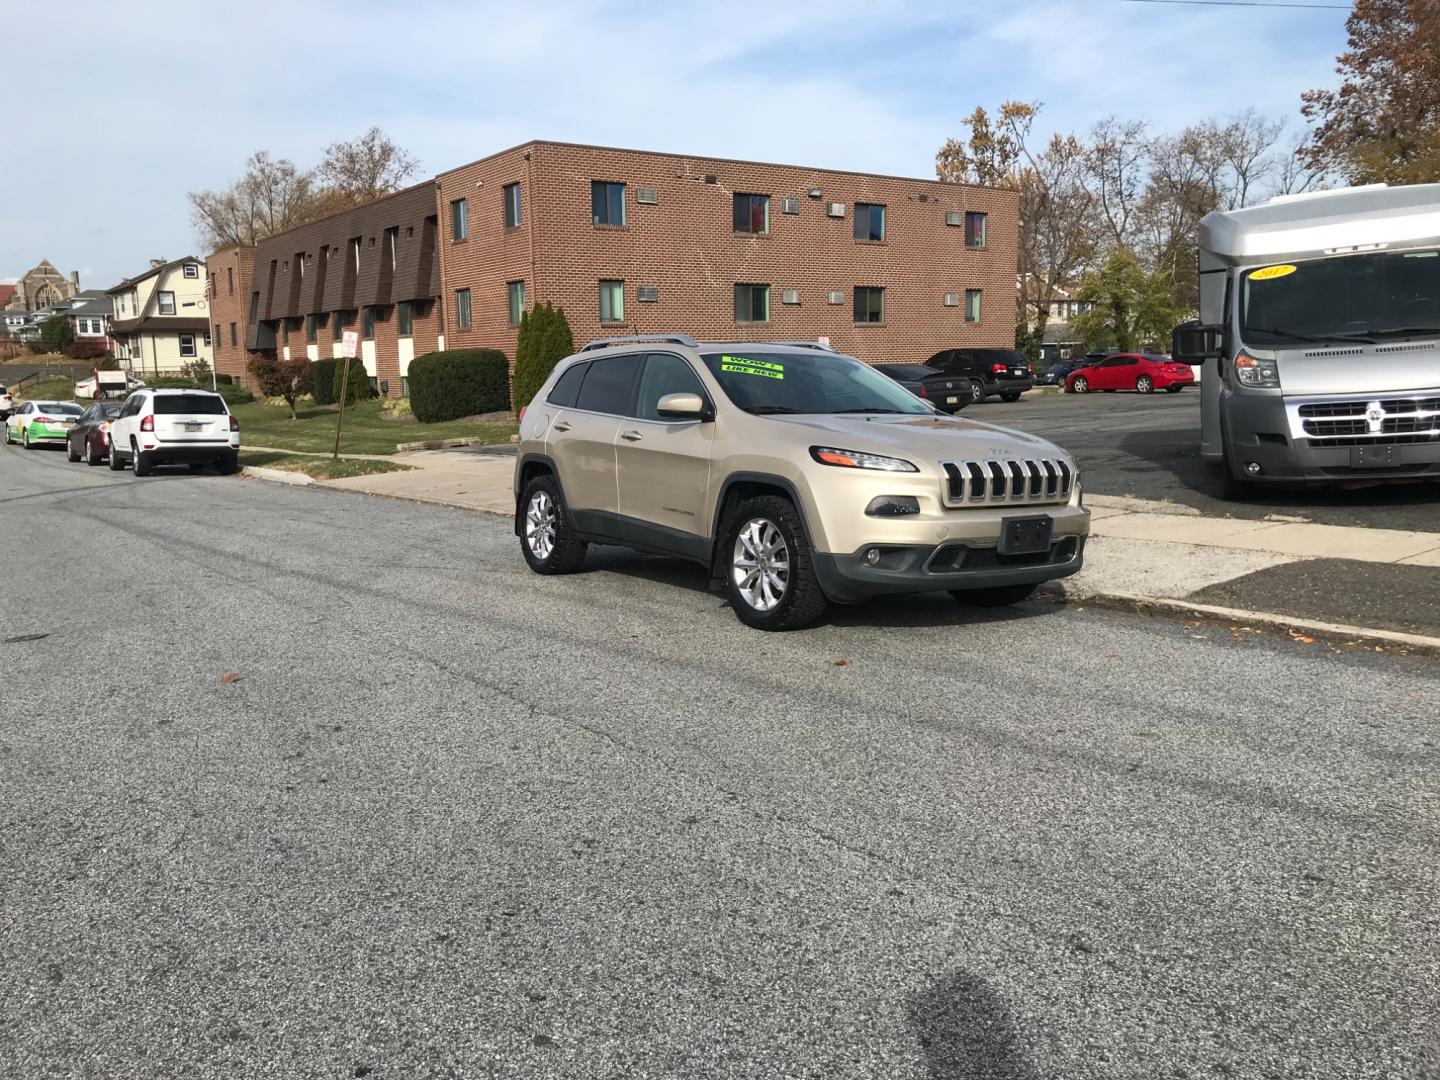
[(567, 386), (608, 384), (170, 404)]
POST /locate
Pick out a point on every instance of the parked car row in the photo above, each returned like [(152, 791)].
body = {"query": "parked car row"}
[(152, 427), (955, 378)]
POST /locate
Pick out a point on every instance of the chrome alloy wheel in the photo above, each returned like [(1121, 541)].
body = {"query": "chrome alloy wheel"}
[(760, 564), (541, 519)]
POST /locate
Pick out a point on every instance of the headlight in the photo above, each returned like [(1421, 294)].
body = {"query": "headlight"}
[(1250, 371), (854, 459)]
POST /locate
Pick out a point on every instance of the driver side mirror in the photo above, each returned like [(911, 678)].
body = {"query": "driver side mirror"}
[(684, 407), (1194, 343)]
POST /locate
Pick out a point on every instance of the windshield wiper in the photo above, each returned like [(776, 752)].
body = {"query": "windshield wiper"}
[(1403, 330), (897, 412), (769, 410), (1320, 340)]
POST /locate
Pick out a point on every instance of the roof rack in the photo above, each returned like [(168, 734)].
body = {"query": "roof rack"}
[(672, 339), (804, 345)]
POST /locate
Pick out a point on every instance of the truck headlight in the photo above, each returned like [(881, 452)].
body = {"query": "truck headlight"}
[(855, 459), (1251, 371)]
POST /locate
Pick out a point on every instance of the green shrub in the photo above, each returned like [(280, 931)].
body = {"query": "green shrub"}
[(458, 382), (233, 395), (360, 388), (544, 340), (322, 380)]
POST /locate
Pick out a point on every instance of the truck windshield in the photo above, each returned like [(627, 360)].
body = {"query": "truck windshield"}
[(1346, 298), (768, 383)]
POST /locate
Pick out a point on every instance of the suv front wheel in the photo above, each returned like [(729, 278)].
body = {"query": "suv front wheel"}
[(547, 535), (769, 575)]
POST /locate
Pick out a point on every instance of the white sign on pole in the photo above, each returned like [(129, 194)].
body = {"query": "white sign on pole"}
[(349, 344)]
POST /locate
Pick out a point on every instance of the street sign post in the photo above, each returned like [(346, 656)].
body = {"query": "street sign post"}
[(349, 344)]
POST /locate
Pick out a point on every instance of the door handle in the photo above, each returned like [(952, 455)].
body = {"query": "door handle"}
[(561, 425), (631, 436)]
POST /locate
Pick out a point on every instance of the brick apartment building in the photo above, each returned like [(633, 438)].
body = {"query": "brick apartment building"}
[(630, 242)]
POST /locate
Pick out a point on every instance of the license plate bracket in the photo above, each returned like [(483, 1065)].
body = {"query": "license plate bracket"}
[(192, 425), (1028, 535), (1374, 457)]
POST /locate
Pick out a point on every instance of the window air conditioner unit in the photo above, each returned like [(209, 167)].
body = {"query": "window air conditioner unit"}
[(647, 195), (790, 206), (790, 296), (835, 209), (647, 294), (835, 297), (952, 217), (952, 299)]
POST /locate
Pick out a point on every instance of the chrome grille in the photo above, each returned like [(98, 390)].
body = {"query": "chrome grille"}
[(994, 483), (1355, 422)]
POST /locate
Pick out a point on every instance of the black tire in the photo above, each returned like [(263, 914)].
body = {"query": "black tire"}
[(25, 438), (1144, 385), (995, 596), (801, 601), (977, 392), (117, 463), (139, 463), (1233, 486), (229, 464), (1012, 397), (562, 553), (70, 454), (1079, 385), (91, 458)]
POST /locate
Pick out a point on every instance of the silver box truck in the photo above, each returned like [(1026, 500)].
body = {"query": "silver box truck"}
[(1319, 331)]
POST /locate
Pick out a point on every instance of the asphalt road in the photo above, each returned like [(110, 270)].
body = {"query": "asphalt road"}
[(1148, 446), (304, 784)]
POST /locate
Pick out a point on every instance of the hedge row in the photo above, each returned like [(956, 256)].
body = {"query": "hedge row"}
[(458, 382), (233, 395)]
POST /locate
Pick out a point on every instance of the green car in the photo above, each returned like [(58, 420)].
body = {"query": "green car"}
[(37, 422)]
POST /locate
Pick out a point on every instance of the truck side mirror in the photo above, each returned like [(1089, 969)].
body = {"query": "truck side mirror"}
[(1194, 343)]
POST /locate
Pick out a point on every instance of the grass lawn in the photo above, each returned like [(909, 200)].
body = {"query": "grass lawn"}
[(321, 468), (60, 388), (365, 430)]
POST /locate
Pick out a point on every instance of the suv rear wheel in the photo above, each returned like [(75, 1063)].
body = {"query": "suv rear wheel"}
[(547, 534), (769, 575), (995, 596), (977, 392), (139, 463)]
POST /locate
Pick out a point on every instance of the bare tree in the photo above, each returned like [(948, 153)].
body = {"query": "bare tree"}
[(1117, 161), (1294, 172), (1244, 149), (365, 168), (272, 196)]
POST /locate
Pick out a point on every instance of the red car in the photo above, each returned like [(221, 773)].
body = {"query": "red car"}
[(89, 439), (1140, 372)]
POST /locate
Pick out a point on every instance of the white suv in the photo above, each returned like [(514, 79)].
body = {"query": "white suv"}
[(7, 404), (168, 427)]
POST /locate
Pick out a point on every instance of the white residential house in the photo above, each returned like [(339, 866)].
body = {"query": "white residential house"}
[(159, 320)]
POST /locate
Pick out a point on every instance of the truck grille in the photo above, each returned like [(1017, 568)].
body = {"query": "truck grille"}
[(994, 483), (1354, 423)]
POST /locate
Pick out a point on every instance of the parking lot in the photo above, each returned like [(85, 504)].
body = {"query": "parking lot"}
[(1149, 447)]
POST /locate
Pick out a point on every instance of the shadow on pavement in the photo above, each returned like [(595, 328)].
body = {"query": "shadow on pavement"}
[(966, 1033)]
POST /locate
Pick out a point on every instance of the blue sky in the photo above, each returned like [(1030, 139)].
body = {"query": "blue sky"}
[(152, 101)]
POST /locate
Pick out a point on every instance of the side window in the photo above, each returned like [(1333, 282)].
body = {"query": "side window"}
[(665, 373), (565, 388), (608, 385), (133, 406)]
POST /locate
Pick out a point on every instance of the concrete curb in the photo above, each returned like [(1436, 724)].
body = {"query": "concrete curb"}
[(277, 476), (1338, 633), (441, 444)]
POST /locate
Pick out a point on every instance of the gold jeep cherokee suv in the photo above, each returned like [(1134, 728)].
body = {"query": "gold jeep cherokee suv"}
[(795, 474)]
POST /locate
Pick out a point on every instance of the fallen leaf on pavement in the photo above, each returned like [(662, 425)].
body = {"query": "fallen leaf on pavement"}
[(1295, 635), (230, 676), (1110, 654), (840, 663)]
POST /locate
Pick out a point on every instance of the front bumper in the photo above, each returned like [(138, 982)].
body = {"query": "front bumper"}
[(845, 579)]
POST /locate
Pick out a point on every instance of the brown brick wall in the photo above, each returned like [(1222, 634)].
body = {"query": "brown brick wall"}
[(687, 248), (228, 306)]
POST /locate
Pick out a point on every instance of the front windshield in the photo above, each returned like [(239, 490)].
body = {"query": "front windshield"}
[(766, 383), (1347, 298)]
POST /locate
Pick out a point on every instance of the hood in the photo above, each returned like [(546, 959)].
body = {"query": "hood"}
[(1392, 367), (922, 438)]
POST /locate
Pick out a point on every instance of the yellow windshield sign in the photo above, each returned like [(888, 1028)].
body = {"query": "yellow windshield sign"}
[(744, 366), (1269, 273)]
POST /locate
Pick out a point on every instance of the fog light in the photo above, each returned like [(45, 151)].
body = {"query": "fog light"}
[(872, 557), (1253, 468), (893, 506)]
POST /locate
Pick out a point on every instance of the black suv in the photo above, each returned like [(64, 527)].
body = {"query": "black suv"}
[(969, 376)]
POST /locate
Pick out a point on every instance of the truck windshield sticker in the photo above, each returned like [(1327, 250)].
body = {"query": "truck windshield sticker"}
[(743, 366), (1270, 272)]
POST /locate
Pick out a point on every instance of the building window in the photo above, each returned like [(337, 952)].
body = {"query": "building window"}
[(612, 301), (392, 241), (187, 344), (254, 306), (230, 276), (459, 220), (190, 270), (218, 335), (300, 265), (752, 303), (869, 304), (515, 301), (368, 323), (312, 328), (512, 205), (355, 253), (972, 305), (462, 308), (752, 214), (974, 229), (234, 337), (207, 339), (405, 318), (607, 203), (166, 300), (869, 221)]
